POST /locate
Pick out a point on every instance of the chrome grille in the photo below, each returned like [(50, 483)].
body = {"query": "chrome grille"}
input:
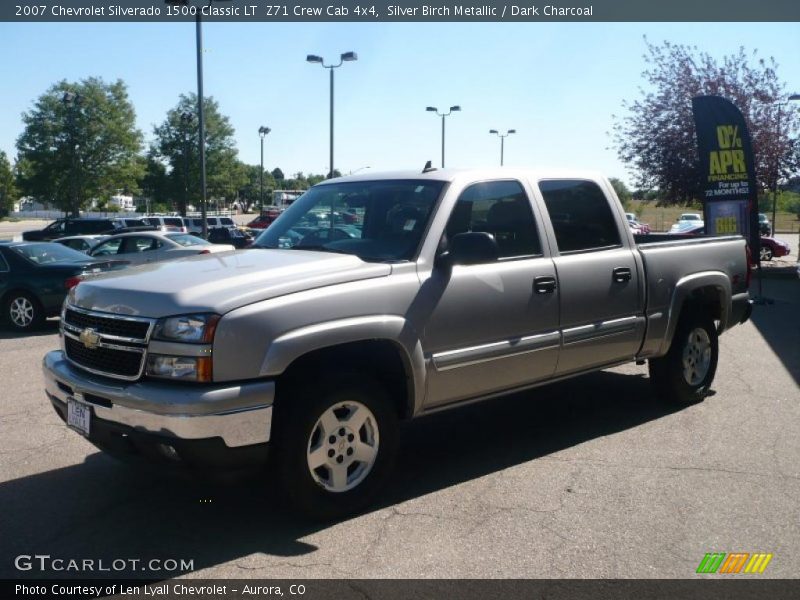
[(116, 347), (129, 328), (109, 361)]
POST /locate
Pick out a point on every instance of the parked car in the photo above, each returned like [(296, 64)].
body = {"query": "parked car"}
[(155, 246), (69, 227), (773, 248), (460, 286), (36, 276), (127, 222), (686, 225), (167, 223), (636, 225), (232, 236), (218, 222), (265, 219), (763, 224), (81, 243)]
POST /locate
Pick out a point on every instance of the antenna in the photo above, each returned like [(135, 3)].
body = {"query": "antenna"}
[(428, 167)]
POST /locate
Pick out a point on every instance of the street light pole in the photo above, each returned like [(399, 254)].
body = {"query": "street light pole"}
[(502, 139), (262, 132), (443, 115), (344, 57)]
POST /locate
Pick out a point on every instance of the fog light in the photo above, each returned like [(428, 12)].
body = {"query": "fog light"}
[(184, 368)]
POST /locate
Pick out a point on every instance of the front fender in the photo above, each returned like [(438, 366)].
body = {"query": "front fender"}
[(290, 346)]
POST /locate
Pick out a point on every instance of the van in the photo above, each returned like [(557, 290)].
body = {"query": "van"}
[(167, 223)]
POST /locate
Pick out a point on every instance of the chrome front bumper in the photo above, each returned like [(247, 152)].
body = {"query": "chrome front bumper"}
[(240, 414)]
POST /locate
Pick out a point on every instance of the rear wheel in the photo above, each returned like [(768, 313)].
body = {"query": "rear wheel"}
[(334, 444), (684, 375), (23, 311), (765, 253)]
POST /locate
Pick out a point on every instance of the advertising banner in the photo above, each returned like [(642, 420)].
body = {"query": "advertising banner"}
[(730, 203)]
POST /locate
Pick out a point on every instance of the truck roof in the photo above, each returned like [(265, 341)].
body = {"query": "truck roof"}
[(451, 175)]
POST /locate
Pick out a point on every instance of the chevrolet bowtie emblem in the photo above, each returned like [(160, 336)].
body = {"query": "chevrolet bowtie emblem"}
[(90, 338)]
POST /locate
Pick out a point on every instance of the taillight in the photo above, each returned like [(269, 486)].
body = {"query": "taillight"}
[(71, 282), (748, 257)]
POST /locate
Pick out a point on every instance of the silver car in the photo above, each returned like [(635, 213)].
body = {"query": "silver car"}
[(81, 243), (155, 246)]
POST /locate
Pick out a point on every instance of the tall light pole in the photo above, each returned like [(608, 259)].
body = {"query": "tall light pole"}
[(262, 132), (443, 115), (502, 139), (791, 98), (200, 112), (345, 57)]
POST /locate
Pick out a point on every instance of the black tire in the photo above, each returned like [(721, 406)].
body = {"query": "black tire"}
[(23, 311), (296, 430), (766, 253), (682, 384)]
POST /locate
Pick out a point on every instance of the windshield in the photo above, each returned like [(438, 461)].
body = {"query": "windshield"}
[(186, 239), (45, 254), (375, 220)]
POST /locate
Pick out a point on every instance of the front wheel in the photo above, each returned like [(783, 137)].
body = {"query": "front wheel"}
[(23, 311), (684, 375), (334, 444), (765, 253)]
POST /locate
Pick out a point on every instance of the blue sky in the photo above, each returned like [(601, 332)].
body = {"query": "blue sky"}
[(557, 84)]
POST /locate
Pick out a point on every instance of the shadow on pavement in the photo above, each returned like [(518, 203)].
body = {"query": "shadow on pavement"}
[(779, 322), (102, 509), (49, 327)]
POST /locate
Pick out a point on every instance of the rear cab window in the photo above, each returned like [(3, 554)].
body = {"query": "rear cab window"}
[(582, 218)]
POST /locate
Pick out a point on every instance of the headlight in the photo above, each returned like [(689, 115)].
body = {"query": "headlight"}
[(187, 328), (182, 368)]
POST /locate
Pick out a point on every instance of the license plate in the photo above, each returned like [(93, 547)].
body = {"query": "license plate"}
[(79, 416)]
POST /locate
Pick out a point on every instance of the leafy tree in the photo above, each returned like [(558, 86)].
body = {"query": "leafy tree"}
[(622, 191), (177, 144), (250, 192), (277, 174), (155, 184), (80, 142), (8, 188), (656, 139)]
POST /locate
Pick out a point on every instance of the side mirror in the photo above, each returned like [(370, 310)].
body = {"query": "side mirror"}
[(471, 248)]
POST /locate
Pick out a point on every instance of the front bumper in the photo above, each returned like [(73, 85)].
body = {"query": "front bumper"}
[(227, 417)]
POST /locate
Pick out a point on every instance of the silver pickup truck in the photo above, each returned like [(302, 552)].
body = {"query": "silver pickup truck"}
[(374, 299)]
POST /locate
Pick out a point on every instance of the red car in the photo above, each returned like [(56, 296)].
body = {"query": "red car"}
[(264, 220), (770, 247)]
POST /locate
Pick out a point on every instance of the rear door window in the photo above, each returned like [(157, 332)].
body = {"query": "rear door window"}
[(581, 215)]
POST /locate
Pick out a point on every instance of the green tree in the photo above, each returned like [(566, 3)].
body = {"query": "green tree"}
[(277, 174), (656, 139), (8, 188), (79, 143), (177, 144), (623, 193), (155, 184)]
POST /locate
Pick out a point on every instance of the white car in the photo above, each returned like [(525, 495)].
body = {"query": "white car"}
[(154, 246), (687, 221), (81, 243)]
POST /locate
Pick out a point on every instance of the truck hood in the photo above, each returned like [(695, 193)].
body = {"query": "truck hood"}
[(218, 283)]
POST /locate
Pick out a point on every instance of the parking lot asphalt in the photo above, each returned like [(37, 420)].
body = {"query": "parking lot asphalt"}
[(587, 478)]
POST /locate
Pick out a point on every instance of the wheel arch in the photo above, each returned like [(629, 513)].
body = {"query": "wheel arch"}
[(383, 346), (708, 292)]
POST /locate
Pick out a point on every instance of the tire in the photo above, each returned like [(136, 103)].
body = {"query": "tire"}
[(311, 428), (23, 311), (765, 253), (684, 375)]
